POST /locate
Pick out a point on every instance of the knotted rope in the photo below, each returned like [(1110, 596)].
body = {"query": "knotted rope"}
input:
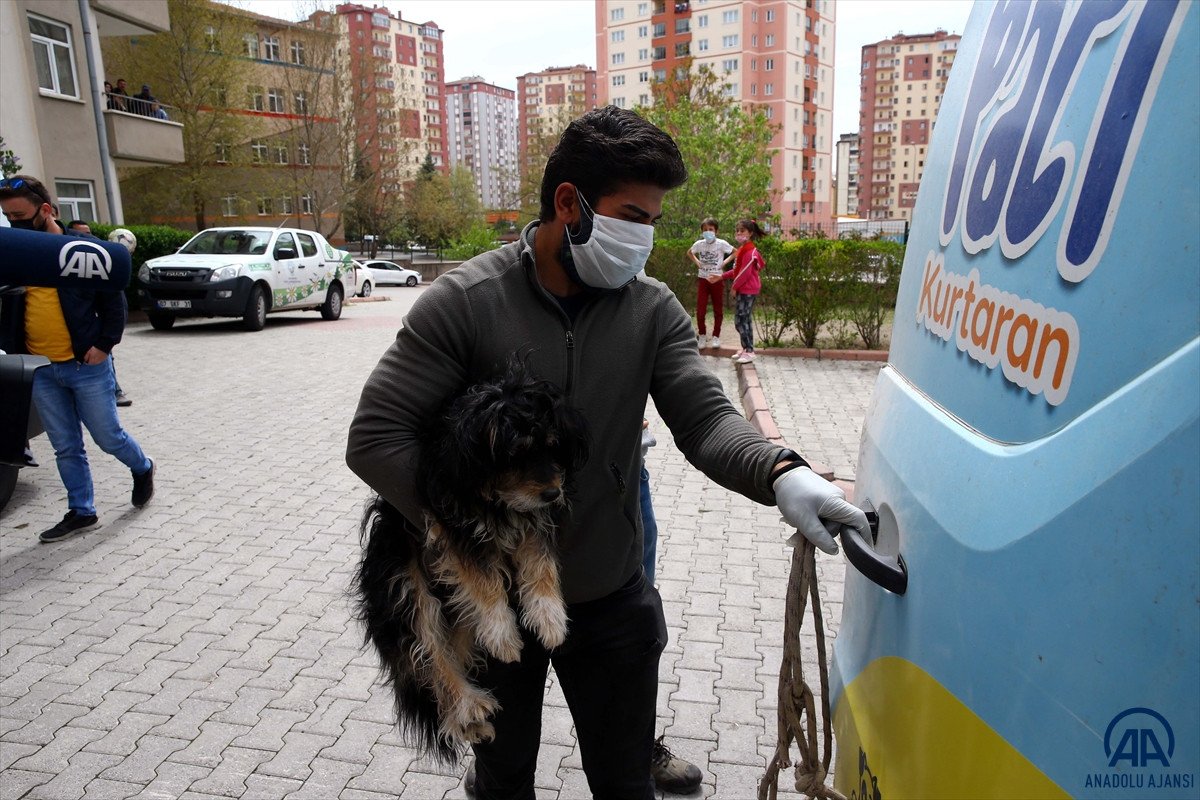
[(796, 700)]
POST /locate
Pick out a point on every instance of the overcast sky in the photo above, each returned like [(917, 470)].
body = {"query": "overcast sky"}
[(501, 39)]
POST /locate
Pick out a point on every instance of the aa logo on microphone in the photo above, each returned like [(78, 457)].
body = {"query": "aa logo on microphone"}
[(81, 259)]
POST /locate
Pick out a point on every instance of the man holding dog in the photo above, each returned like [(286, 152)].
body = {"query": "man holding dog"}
[(568, 297)]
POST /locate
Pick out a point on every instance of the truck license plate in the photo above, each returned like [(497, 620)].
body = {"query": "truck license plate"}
[(174, 303)]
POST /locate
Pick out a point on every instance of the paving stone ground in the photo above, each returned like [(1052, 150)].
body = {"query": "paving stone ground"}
[(203, 647)]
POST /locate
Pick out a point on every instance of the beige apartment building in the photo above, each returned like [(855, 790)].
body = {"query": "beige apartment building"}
[(903, 79), (846, 204), (395, 89), (52, 112), (548, 100), (774, 54), (482, 134)]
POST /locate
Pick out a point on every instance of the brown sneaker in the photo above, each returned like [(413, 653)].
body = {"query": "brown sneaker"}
[(671, 773)]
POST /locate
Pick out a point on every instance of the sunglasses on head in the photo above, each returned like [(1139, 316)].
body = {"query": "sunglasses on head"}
[(21, 183)]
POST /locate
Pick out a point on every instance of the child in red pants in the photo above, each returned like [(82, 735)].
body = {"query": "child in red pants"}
[(710, 255)]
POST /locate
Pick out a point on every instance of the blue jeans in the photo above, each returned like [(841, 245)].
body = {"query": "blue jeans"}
[(649, 527), (71, 394)]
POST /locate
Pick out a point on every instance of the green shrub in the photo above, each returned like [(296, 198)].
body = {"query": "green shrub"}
[(670, 264), (479, 238)]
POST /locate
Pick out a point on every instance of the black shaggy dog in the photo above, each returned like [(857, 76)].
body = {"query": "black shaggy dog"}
[(493, 473)]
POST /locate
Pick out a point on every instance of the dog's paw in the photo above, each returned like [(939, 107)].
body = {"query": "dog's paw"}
[(502, 641), (467, 719), (548, 619)]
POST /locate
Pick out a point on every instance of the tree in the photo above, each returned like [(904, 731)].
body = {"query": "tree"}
[(441, 207), (544, 132), (196, 68), (726, 147)]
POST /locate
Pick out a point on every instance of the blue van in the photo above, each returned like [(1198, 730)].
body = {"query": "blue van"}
[(1026, 622)]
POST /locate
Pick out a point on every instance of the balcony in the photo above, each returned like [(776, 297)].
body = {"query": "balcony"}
[(143, 139)]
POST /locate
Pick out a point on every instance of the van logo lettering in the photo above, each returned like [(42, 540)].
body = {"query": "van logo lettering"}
[(82, 259), (1010, 174)]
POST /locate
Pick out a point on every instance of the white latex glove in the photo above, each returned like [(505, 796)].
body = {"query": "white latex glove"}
[(648, 441), (816, 508)]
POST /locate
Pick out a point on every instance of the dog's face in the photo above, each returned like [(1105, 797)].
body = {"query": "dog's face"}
[(515, 442)]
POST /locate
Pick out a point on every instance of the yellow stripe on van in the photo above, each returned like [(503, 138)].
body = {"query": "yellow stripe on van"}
[(900, 734)]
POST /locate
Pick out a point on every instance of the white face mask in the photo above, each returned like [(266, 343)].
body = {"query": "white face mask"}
[(708, 236), (614, 253)]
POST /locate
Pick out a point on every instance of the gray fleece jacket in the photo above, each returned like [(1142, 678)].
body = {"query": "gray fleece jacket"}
[(623, 346)]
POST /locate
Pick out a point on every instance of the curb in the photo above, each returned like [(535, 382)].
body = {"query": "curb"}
[(820, 354), (754, 403), (374, 298)]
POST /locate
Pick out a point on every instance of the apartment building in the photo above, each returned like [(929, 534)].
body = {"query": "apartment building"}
[(774, 54), (482, 135), (846, 204), (548, 100), (269, 151), (903, 79), (55, 118), (396, 89)]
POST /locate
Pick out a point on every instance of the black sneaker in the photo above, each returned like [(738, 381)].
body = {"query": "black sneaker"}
[(143, 487), (71, 524), (673, 774), (123, 400)]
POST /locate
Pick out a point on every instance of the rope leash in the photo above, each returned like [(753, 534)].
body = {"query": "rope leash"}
[(796, 699)]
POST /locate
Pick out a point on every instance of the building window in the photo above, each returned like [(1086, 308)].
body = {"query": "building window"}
[(770, 15), (258, 151), (257, 103), (730, 65), (702, 21), (618, 36), (729, 16), (229, 204), (618, 58), (769, 89), (303, 154), (222, 152), (683, 25), (618, 80), (770, 40), (660, 53), (305, 204), (275, 101), (643, 31), (281, 154), (298, 56), (729, 41), (768, 64), (660, 29), (683, 49), (53, 58), (285, 206), (76, 199), (616, 15), (271, 48), (643, 9), (212, 43), (619, 102), (643, 54), (265, 205), (643, 77), (300, 102), (251, 40), (702, 45)]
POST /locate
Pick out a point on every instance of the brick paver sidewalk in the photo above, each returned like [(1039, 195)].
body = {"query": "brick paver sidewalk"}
[(203, 647)]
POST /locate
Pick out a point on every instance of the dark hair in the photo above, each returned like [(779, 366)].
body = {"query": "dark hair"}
[(79, 222), (751, 227), (709, 221), (607, 148), (25, 186)]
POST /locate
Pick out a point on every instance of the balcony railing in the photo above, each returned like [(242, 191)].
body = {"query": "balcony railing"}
[(142, 130)]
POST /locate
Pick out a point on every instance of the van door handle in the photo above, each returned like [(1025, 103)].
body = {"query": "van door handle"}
[(890, 574)]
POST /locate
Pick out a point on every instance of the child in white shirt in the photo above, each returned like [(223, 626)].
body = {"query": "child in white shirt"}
[(710, 255)]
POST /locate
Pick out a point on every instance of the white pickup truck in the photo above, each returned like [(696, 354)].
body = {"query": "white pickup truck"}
[(247, 273)]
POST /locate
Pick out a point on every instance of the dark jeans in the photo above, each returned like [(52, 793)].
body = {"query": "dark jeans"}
[(742, 320), (608, 668), (649, 527)]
